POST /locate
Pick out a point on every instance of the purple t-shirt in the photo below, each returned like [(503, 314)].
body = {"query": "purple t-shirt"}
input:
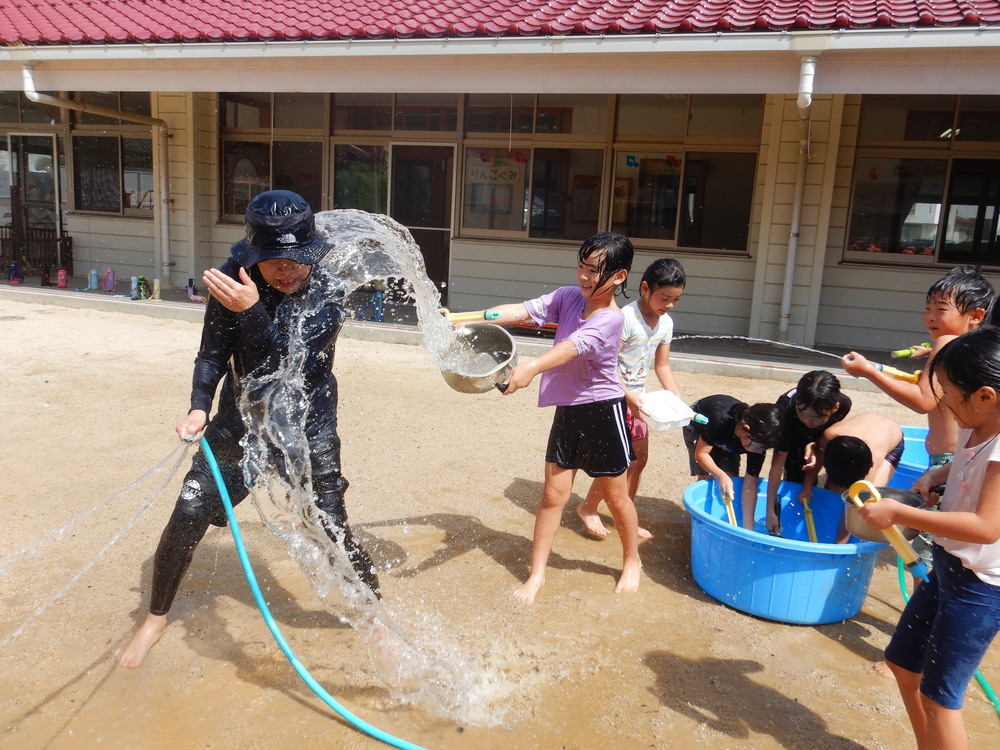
[(592, 375)]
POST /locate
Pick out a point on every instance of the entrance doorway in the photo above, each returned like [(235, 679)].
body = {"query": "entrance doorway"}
[(422, 202), (30, 217)]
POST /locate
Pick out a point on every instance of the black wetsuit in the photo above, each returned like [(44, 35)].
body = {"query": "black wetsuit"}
[(234, 346)]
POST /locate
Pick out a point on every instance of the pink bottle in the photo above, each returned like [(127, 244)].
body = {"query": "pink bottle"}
[(61, 278)]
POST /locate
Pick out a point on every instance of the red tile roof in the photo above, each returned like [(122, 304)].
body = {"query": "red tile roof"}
[(44, 22)]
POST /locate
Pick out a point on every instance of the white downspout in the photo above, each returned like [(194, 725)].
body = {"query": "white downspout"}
[(28, 76), (807, 73)]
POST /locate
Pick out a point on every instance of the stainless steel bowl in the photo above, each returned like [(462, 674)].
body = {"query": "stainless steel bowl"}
[(859, 526), (481, 359)]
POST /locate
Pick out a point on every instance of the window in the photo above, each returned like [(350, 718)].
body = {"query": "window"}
[(427, 112), (362, 112), (253, 167), (499, 113), (271, 141), (361, 177), (496, 185), (15, 107), (693, 199), (113, 174), (565, 193), (646, 194), (927, 181), (132, 102)]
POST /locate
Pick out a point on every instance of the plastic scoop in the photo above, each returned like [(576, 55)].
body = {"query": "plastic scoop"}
[(469, 317), (911, 560)]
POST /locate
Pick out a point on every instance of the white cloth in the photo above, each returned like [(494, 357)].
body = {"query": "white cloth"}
[(965, 482), (638, 346)]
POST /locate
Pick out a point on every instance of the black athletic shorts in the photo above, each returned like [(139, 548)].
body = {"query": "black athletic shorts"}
[(592, 437)]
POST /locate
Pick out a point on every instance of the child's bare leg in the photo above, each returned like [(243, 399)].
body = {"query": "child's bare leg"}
[(134, 652), (587, 510), (548, 518), (627, 524), (945, 726), (634, 475), (909, 691)]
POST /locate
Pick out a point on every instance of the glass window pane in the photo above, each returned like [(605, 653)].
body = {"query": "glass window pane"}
[(972, 229), (578, 114), (430, 112), (298, 167), (245, 111), (499, 113), (652, 114), (565, 193), (906, 118), (361, 178), (979, 119), (716, 200), (496, 182), (726, 115), (246, 173), (362, 112), (137, 173), (136, 102), (421, 186), (298, 111), (96, 171), (36, 112), (645, 194), (106, 99), (897, 205), (8, 106)]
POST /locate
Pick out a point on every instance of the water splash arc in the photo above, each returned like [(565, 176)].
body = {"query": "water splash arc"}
[(367, 249)]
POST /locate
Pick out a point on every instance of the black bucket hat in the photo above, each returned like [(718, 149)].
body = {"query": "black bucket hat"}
[(279, 224)]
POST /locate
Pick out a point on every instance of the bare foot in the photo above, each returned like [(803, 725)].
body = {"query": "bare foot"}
[(629, 579), (134, 652), (882, 670), (591, 520), (526, 593), (643, 534)]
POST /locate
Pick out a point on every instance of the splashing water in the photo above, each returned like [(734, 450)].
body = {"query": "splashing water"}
[(366, 248)]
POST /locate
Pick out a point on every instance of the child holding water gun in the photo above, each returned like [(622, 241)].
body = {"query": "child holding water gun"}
[(580, 378), (732, 428), (955, 304), (645, 346), (951, 619)]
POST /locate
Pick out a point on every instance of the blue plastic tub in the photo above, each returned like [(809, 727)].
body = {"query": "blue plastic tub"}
[(787, 578), (915, 458)]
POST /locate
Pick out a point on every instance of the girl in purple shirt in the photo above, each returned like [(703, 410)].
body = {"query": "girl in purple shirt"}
[(579, 378)]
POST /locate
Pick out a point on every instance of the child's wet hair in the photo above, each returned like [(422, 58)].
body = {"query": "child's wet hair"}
[(764, 422), (966, 288), (847, 459), (664, 272), (819, 390), (970, 361), (617, 256)]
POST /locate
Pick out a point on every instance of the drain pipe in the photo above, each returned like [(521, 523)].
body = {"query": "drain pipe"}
[(807, 73), (163, 135)]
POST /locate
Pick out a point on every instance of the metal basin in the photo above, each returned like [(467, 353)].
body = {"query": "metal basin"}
[(481, 359), (859, 526)]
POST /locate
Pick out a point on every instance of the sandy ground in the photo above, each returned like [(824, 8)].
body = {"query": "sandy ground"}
[(444, 487)]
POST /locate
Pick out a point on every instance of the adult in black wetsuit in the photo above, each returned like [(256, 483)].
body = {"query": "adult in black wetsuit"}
[(257, 296)]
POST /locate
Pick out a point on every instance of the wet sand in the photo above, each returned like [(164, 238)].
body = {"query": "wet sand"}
[(444, 487)]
